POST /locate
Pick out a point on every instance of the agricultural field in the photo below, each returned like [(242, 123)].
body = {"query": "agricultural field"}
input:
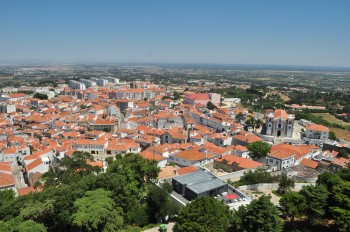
[(330, 118), (340, 133)]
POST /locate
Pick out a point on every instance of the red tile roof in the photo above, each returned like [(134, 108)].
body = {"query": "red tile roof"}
[(186, 170), (280, 114), (309, 163), (26, 191), (6, 180), (191, 155), (241, 162), (316, 127)]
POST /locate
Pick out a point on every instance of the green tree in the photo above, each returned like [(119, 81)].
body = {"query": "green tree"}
[(316, 196), (18, 225), (96, 212), (202, 215), (6, 196), (257, 176), (239, 117), (41, 96), (159, 203), (332, 135), (293, 204), (341, 208), (285, 184), (251, 122), (211, 106), (176, 96), (258, 150), (167, 187), (259, 215), (343, 154)]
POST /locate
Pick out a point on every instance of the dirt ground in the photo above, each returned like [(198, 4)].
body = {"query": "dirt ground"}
[(256, 194)]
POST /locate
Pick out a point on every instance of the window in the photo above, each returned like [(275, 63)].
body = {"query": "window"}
[(271, 160), (109, 152)]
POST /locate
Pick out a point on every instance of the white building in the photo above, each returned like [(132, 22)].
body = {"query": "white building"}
[(314, 131), (7, 108), (112, 80), (77, 85), (88, 83), (279, 124)]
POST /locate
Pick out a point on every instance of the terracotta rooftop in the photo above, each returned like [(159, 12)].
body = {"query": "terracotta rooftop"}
[(241, 162), (316, 127), (191, 155), (309, 163)]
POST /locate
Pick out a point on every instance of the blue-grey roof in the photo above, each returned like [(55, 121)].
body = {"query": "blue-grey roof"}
[(193, 177), (205, 186)]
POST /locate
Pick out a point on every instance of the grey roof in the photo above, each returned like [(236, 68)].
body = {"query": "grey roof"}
[(205, 186), (193, 177)]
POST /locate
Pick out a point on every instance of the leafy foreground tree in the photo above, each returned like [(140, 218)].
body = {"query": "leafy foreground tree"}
[(316, 196), (205, 214), (294, 205), (126, 182), (18, 225), (96, 212), (159, 204), (258, 150), (260, 215), (341, 207), (285, 184)]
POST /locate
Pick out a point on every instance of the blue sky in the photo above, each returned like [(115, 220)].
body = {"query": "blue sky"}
[(298, 32)]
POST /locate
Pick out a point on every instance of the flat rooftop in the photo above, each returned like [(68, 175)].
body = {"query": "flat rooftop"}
[(205, 185), (194, 177)]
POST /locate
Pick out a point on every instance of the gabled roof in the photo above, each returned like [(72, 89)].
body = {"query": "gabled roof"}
[(6, 180), (5, 167), (34, 164), (152, 156), (25, 191), (309, 163), (280, 114), (191, 155), (185, 170), (241, 162), (316, 127)]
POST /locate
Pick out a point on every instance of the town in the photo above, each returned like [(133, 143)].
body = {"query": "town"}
[(201, 141)]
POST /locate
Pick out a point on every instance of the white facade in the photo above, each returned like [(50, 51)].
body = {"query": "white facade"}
[(88, 83), (7, 108), (280, 163), (314, 134), (280, 126), (77, 85)]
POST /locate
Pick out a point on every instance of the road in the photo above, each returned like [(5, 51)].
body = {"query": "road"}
[(18, 175)]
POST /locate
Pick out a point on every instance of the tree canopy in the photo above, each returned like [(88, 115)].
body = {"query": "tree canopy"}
[(258, 150), (41, 96), (204, 214), (259, 215), (285, 184), (96, 212), (211, 106), (293, 204), (76, 198), (257, 176)]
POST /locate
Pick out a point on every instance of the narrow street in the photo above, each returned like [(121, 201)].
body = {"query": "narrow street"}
[(18, 175)]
